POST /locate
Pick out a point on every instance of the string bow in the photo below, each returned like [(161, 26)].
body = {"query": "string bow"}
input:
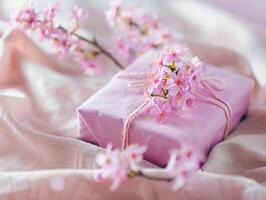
[(209, 83)]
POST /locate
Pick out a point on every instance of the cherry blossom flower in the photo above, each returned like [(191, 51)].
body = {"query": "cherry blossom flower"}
[(26, 18), (182, 164), (117, 165), (123, 48), (138, 31), (44, 22), (79, 14), (49, 13), (111, 15), (175, 77), (160, 109)]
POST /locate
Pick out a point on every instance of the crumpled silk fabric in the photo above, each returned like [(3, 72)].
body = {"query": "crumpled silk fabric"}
[(100, 125), (40, 158)]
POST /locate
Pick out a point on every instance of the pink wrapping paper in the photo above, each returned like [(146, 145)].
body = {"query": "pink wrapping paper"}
[(103, 115)]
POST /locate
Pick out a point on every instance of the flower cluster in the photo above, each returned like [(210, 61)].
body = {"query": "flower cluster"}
[(182, 164), (137, 32), (174, 79), (43, 21), (118, 165)]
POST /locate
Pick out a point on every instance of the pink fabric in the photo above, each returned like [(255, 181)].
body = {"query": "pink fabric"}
[(103, 115), (41, 160)]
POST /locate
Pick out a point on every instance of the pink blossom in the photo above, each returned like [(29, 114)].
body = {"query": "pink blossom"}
[(44, 22), (63, 41), (174, 54), (26, 18), (140, 31), (90, 66), (126, 18), (182, 164), (116, 165), (112, 14), (175, 77), (79, 14), (49, 13), (85, 58), (123, 47), (195, 68), (161, 109)]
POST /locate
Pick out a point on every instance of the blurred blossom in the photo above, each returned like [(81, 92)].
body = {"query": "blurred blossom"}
[(79, 14), (182, 164), (136, 32), (44, 22), (27, 17), (117, 165)]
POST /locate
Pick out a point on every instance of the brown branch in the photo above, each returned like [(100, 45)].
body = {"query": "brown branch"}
[(95, 43)]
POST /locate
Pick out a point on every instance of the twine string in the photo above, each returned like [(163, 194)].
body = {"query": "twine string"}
[(209, 84), (131, 117)]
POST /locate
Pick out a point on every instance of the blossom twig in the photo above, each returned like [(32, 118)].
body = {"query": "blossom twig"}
[(66, 40), (96, 44), (137, 32), (120, 165)]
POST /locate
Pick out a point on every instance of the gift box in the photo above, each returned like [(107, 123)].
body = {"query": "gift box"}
[(103, 115)]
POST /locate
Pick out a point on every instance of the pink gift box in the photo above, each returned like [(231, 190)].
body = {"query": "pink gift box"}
[(103, 115)]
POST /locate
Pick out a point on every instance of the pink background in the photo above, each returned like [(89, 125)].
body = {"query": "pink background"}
[(41, 160)]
